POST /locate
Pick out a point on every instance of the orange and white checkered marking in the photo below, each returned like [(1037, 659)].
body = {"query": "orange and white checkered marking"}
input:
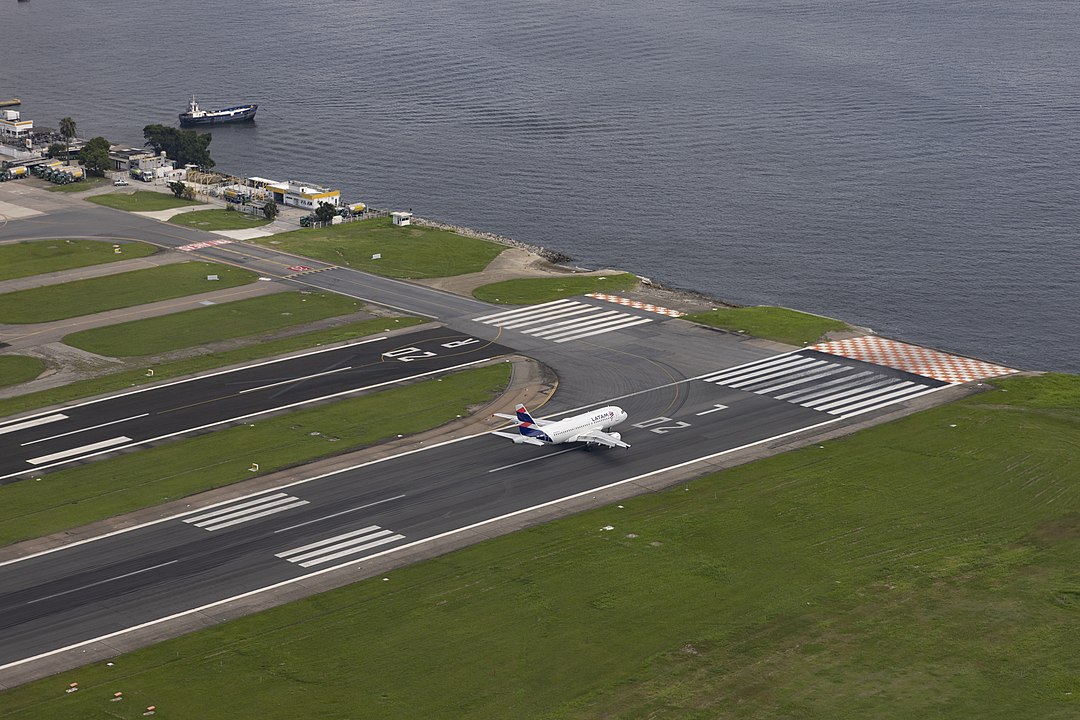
[(913, 359), (636, 304)]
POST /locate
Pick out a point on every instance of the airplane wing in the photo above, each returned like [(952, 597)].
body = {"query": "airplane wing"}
[(518, 438), (537, 423), (598, 437)]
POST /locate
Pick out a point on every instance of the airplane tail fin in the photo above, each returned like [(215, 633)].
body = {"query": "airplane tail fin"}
[(523, 415)]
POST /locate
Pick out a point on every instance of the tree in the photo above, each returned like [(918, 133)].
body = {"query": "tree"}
[(58, 149), (67, 128), (325, 212), (177, 188), (183, 146), (95, 156), (270, 210), (189, 193)]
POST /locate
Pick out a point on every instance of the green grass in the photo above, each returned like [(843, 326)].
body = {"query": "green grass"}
[(407, 252), (180, 368), (914, 570), (85, 297), (16, 369), (34, 257), (87, 183), (218, 220), (73, 497), (773, 323), (141, 201), (211, 324), (537, 290)]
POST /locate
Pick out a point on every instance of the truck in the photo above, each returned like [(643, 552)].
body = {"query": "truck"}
[(17, 172)]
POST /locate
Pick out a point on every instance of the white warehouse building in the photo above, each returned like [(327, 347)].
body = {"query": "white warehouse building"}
[(302, 195)]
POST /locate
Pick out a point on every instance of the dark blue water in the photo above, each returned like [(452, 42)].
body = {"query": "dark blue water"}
[(909, 166)]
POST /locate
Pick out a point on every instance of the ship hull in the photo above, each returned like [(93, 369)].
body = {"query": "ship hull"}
[(219, 117)]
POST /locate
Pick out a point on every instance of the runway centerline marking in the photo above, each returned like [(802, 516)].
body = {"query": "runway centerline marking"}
[(92, 427), (343, 512), (292, 380), (101, 582), (542, 457)]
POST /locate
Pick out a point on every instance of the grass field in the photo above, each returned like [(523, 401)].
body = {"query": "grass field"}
[(87, 183), (16, 369), (85, 297), (773, 323), (35, 257), (141, 201), (927, 568), (407, 252), (211, 324), (179, 368), (218, 220), (79, 495), (537, 290)]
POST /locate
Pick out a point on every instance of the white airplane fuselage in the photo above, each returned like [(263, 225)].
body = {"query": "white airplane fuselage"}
[(602, 419)]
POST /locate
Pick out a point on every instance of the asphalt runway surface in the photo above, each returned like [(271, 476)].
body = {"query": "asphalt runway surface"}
[(690, 392), (85, 430), (135, 577)]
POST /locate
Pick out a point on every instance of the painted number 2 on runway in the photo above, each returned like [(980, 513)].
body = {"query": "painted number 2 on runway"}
[(409, 354), (413, 353), (657, 425)]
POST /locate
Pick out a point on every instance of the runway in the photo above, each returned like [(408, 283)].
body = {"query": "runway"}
[(205, 556), (86, 430), (691, 393)]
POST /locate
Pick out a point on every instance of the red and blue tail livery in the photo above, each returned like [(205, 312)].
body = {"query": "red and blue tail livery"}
[(589, 428)]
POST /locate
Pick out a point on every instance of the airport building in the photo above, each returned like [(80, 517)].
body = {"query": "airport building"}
[(13, 127), (301, 195)]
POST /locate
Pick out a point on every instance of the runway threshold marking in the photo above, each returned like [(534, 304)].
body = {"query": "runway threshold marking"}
[(814, 382), (92, 427), (343, 512), (101, 582)]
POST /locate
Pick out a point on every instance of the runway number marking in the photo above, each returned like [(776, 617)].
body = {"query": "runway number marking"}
[(714, 409), (409, 354), (662, 429)]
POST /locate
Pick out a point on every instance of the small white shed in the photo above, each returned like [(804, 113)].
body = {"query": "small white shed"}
[(402, 218)]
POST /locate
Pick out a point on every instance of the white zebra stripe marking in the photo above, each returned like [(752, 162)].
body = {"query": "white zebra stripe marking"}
[(242, 512)]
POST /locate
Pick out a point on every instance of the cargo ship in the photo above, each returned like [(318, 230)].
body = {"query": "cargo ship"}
[(197, 116)]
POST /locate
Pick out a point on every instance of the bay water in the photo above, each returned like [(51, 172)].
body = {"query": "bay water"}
[(907, 166)]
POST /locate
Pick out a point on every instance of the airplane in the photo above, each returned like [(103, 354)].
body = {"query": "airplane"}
[(586, 428)]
